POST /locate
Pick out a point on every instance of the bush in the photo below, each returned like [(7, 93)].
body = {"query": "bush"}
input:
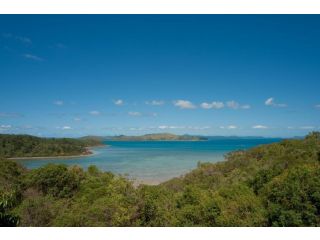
[(293, 198), (56, 180)]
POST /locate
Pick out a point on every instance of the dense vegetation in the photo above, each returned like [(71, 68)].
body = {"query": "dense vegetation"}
[(158, 137), (31, 146), (270, 185)]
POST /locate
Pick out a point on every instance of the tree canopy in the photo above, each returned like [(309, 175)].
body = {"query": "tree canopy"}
[(270, 185)]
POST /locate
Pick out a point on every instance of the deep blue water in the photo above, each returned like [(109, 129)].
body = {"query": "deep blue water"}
[(153, 162)]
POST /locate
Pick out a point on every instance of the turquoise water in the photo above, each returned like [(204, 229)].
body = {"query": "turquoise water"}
[(153, 162)]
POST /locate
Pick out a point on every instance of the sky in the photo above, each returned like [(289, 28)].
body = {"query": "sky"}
[(232, 75)]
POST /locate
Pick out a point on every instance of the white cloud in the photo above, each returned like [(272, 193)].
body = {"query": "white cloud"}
[(184, 104), (233, 104), (184, 127), (259, 127), (218, 105), (214, 105), (134, 114), (199, 128), (271, 102), (19, 38), (155, 102), (163, 127), (95, 113), (10, 115), (228, 127), (33, 57), (119, 102), (58, 102), (77, 119), (307, 127), (66, 128), (5, 126), (171, 127), (246, 106)]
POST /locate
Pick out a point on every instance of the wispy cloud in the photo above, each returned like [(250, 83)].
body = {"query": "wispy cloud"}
[(134, 114), (214, 105), (118, 102), (5, 126), (307, 127), (163, 127), (24, 39), (271, 102), (229, 127), (21, 39), (219, 105), (259, 127), (33, 57), (10, 115), (77, 119), (58, 102), (235, 105), (155, 102), (95, 113), (184, 104), (171, 127), (246, 106), (64, 128)]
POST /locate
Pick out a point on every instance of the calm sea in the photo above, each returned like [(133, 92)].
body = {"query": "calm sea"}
[(153, 162)]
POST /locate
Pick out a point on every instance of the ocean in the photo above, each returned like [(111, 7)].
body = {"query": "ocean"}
[(153, 162)]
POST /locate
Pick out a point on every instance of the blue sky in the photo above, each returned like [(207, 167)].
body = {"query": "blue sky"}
[(73, 75)]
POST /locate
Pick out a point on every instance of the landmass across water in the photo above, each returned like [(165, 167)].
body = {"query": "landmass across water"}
[(154, 161)]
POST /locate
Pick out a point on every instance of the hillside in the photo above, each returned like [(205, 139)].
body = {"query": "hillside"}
[(158, 137), (271, 185), (31, 146)]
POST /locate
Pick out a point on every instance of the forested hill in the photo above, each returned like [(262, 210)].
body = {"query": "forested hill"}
[(271, 185), (31, 146), (158, 137)]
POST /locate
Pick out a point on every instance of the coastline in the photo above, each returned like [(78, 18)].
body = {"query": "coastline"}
[(88, 153)]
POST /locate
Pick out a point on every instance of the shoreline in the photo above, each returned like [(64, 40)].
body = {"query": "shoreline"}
[(51, 157), (87, 154)]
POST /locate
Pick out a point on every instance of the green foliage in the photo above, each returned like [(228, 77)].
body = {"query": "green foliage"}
[(196, 207), (293, 198), (10, 191), (30, 146), (37, 210), (55, 180), (239, 206), (156, 206), (270, 185), (7, 201), (102, 200)]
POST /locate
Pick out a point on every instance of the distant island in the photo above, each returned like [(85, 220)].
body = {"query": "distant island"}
[(158, 137), (26, 146)]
